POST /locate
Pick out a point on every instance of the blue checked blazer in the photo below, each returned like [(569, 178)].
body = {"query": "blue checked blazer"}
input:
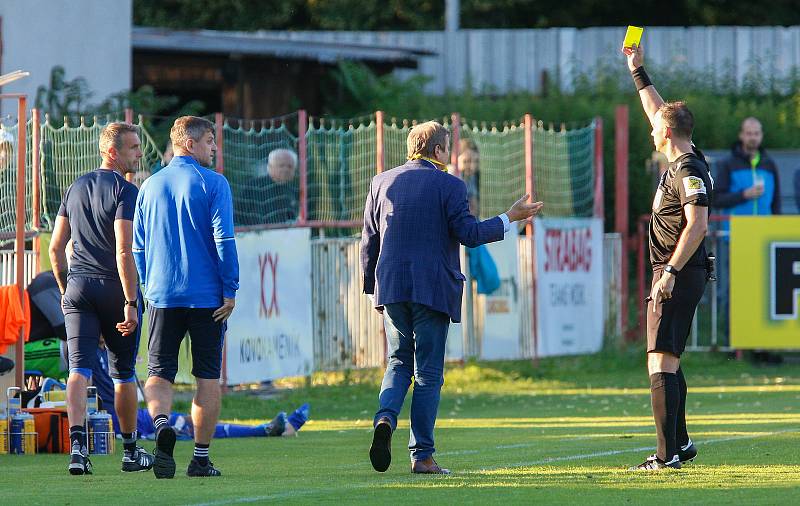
[(414, 219)]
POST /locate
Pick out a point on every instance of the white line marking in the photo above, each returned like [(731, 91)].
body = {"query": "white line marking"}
[(549, 460), (618, 452)]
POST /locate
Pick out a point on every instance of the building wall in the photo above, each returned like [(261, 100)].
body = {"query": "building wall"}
[(515, 60), (89, 38)]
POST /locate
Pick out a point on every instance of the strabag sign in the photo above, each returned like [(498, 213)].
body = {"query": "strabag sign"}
[(270, 332), (569, 285)]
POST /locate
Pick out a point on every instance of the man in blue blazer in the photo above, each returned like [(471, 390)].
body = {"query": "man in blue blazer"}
[(415, 217)]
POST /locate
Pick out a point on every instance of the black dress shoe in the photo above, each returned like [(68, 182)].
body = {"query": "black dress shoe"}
[(380, 453)]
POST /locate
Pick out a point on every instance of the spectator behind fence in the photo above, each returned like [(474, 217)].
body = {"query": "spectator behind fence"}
[(165, 159), (6, 149), (469, 165), (745, 183), (272, 195)]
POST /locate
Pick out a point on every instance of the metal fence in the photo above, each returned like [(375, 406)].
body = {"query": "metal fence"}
[(8, 267), (347, 329), (522, 60)]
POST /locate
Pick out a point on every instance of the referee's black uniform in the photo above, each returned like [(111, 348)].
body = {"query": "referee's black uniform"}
[(686, 181)]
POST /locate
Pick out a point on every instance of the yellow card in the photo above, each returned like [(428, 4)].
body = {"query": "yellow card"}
[(633, 36)]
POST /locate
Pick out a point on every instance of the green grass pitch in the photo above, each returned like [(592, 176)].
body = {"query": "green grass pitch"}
[(560, 433)]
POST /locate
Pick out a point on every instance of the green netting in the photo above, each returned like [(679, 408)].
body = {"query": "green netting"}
[(501, 174), (563, 168), (257, 197), (342, 159), (68, 152), (9, 148), (341, 163), (394, 143)]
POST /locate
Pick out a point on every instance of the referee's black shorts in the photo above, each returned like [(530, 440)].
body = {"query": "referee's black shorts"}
[(168, 326), (94, 306), (669, 325)]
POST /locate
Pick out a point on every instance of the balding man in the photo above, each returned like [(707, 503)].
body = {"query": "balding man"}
[(272, 196), (745, 183)]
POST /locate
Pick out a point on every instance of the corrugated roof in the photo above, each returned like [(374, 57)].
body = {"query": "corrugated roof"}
[(247, 43)]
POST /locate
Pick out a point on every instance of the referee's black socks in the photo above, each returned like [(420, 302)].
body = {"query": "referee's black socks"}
[(665, 398), (682, 433)]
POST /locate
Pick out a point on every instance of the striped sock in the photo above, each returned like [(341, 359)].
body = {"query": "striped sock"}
[(77, 437), (160, 421), (129, 441), (201, 454)]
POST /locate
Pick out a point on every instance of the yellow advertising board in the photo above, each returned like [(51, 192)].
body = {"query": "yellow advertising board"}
[(765, 282)]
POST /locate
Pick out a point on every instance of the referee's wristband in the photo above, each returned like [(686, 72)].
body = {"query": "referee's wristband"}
[(640, 78)]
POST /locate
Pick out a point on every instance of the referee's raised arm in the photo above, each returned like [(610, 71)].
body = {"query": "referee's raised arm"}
[(651, 100)]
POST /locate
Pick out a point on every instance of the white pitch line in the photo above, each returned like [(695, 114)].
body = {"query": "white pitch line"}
[(549, 460), (618, 452)]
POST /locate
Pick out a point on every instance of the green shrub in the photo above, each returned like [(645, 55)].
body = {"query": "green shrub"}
[(718, 104)]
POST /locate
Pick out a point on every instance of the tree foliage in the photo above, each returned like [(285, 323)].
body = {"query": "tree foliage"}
[(64, 98), (374, 15), (718, 106)]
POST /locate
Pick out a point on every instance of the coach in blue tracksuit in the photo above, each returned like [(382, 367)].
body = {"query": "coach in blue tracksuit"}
[(414, 219), (186, 256), (745, 184)]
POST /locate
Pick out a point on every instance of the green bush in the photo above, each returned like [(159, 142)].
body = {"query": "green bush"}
[(718, 104)]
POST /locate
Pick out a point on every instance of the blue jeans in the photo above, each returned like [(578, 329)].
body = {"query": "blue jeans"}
[(416, 335)]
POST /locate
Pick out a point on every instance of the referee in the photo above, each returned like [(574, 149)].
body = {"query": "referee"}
[(678, 256), (99, 294)]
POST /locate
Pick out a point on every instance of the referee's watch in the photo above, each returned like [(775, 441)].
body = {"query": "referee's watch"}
[(132, 303), (672, 270)]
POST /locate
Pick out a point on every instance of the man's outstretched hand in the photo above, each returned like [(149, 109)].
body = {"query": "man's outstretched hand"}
[(522, 210), (635, 56)]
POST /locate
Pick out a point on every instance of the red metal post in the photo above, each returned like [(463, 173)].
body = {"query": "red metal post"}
[(455, 118), (219, 132), (129, 120), (302, 129), (19, 256), (219, 121), (380, 168), (530, 189), (641, 277), (36, 177), (379, 141), (621, 202), (599, 204)]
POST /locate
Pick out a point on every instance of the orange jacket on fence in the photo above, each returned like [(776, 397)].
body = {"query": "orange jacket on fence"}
[(13, 316)]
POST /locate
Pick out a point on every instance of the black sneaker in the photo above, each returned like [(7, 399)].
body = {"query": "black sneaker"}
[(137, 461), (380, 453), (277, 426), (164, 465), (79, 464), (653, 463), (196, 469), (687, 452)]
